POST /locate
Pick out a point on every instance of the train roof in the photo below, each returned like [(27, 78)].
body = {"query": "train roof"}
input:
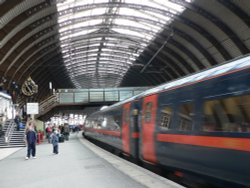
[(121, 102), (232, 65), (219, 70)]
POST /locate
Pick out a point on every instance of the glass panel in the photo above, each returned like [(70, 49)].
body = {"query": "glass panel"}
[(113, 121), (148, 112), (111, 96), (125, 94), (66, 98), (136, 92), (96, 96), (228, 115), (82, 97), (166, 114), (185, 117)]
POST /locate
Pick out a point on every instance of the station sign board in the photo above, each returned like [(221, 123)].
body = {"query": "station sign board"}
[(32, 108)]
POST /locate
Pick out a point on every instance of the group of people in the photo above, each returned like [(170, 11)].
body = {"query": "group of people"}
[(31, 139)]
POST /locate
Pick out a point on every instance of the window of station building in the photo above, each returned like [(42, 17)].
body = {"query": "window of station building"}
[(230, 114), (166, 115), (148, 112), (185, 117)]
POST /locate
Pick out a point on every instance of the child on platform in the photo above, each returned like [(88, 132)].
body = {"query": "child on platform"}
[(55, 140)]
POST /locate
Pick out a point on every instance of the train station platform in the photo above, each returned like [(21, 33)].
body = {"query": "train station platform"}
[(78, 164)]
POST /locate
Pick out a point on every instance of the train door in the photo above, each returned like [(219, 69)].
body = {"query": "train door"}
[(134, 130), (148, 121), (126, 128)]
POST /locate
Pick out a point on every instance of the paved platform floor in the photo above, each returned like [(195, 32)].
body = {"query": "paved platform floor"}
[(80, 164)]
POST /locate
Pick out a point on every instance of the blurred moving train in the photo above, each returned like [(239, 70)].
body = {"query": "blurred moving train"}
[(198, 124)]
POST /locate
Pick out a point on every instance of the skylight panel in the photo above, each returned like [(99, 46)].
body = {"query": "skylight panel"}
[(162, 18), (109, 44), (106, 72), (81, 2), (79, 25), (63, 6), (130, 23), (151, 4), (80, 31), (85, 67), (112, 63), (83, 54), (98, 11), (88, 23), (126, 22), (136, 13), (65, 50), (64, 18), (93, 50), (169, 5), (155, 28), (66, 55), (141, 14), (88, 45), (128, 32), (76, 34), (120, 40), (78, 60), (81, 14)]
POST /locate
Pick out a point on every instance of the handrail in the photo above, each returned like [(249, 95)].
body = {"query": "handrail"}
[(9, 131), (48, 103), (51, 97)]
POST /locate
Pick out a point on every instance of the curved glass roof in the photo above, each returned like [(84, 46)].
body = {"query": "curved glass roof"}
[(101, 39)]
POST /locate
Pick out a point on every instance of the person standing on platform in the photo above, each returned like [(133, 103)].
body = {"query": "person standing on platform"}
[(17, 121), (54, 141), (48, 132), (31, 139)]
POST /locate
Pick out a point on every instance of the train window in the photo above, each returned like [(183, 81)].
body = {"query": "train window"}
[(230, 114), (148, 111), (185, 117), (166, 114), (87, 124), (112, 121), (117, 121), (98, 122)]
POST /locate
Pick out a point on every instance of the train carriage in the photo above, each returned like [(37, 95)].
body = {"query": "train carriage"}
[(205, 127), (198, 124)]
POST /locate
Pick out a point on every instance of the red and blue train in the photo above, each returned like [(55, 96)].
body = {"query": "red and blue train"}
[(198, 124)]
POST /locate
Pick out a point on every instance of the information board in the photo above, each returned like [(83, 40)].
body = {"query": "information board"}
[(32, 108)]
